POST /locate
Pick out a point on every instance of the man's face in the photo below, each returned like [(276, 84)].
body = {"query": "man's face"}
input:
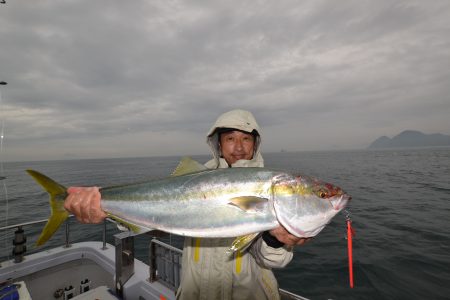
[(236, 145)]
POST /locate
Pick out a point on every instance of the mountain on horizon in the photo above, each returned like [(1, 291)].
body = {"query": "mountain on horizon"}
[(411, 138)]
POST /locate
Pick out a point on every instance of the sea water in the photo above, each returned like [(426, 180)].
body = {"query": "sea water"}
[(400, 210)]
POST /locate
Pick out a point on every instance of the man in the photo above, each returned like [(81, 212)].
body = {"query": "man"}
[(208, 272)]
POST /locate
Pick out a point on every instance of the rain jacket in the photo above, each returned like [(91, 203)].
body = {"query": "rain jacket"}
[(208, 272)]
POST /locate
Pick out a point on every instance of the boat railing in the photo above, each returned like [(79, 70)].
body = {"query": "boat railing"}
[(164, 259), (19, 241)]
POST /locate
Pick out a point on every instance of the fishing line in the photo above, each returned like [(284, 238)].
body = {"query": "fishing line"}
[(2, 173)]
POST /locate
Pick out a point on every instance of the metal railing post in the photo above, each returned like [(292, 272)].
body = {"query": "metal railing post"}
[(124, 243), (19, 244), (104, 235), (67, 245), (152, 261)]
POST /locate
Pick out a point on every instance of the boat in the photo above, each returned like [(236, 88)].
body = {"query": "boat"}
[(93, 269)]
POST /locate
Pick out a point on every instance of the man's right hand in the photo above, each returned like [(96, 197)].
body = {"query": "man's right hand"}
[(84, 203)]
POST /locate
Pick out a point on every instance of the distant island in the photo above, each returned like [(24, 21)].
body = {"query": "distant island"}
[(411, 138)]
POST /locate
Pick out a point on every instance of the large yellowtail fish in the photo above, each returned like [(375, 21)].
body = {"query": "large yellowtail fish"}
[(199, 202)]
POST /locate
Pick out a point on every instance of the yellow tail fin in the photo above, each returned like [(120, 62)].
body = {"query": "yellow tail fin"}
[(58, 215)]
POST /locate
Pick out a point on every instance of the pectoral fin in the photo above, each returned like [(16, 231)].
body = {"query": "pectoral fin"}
[(241, 243), (249, 203)]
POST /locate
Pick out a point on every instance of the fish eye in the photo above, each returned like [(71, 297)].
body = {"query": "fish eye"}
[(322, 194)]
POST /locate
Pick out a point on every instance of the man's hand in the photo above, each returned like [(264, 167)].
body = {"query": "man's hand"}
[(281, 234), (84, 203)]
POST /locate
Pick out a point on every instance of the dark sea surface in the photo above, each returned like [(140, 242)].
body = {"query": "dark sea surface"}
[(400, 211)]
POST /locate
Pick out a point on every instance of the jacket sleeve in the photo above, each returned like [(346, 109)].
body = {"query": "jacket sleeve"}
[(270, 257)]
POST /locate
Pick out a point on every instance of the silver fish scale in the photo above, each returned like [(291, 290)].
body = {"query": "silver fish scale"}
[(196, 204)]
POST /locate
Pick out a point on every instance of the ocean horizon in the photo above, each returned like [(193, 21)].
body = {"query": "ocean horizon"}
[(400, 207)]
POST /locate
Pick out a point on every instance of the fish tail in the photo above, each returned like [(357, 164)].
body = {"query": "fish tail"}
[(58, 194)]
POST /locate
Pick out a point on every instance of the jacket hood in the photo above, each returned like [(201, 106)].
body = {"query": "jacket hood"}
[(236, 119)]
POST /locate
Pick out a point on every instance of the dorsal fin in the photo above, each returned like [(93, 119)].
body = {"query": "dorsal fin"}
[(187, 166)]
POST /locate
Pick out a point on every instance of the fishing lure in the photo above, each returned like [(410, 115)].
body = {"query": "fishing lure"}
[(350, 235)]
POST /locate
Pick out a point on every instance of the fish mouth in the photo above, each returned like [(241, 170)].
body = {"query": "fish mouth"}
[(340, 202)]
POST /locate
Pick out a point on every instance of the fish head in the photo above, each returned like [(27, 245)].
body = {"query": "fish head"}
[(305, 205)]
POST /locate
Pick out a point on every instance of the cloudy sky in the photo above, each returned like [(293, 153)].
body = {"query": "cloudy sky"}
[(89, 79)]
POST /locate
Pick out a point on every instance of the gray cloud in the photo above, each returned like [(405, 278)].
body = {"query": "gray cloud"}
[(106, 79)]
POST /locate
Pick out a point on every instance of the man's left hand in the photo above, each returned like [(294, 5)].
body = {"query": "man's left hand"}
[(281, 234)]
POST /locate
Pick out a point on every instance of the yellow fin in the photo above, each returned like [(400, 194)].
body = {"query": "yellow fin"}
[(131, 226), (249, 203), (188, 166), (241, 243), (58, 214)]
